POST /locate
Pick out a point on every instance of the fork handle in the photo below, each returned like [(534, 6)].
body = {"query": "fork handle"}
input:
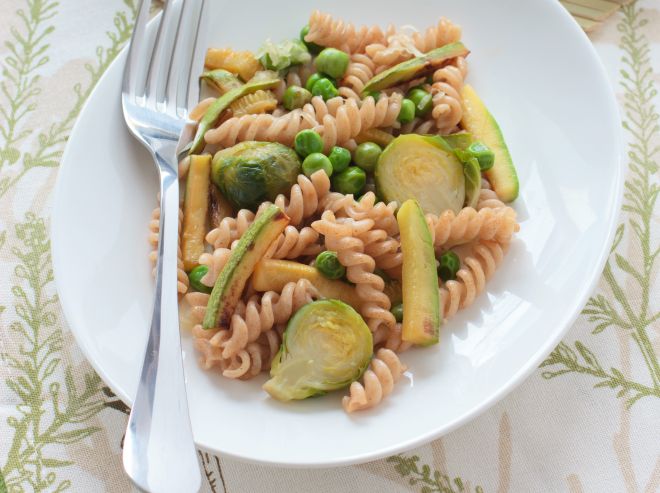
[(159, 452)]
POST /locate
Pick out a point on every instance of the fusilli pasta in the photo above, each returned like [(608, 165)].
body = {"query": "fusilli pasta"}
[(444, 32), (447, 103), (342, 236), (377, 382), (471, 278), (360, 70), (263, 312), (282, 129), (335, 33), (248, 363), (449, 229)]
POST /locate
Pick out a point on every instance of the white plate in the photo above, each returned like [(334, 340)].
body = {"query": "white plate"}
[(541, 78)]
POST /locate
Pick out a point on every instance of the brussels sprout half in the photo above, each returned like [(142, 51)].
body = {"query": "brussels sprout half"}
[(251, 172), (326, 346)]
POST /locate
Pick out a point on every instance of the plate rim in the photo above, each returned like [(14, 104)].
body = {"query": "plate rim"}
[(513, 382)]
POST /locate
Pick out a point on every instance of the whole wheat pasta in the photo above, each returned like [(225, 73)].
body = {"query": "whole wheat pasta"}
[(198, 111), (342, 120), (292, 243), (265, 127), (247, 363), (449, 229), (342, 236), (230, 229), (192, 308), (447, 107), (444, 32), (154, 235), (303, 201), (394, 342), (335, 33), (377, 382), (385, 250), (367, 207), (360, 69), (262, 313), (471, 278), (363, 232), (304, 198)]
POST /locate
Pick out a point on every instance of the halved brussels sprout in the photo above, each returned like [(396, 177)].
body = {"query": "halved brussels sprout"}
[(423, 168), (251, 172), (326, 346)]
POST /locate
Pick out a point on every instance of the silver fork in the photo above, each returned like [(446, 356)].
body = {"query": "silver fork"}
[(159, 85)]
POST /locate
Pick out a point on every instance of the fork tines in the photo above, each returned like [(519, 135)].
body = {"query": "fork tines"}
[(162, 73)]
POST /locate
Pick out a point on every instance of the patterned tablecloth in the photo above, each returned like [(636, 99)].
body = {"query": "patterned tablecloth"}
[(587, 420)]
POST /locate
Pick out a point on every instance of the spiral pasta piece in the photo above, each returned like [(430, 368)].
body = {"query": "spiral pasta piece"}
[(215, 262), (490, 224), (154, 235), (303, 202), (377, 382), (192, 308), (444, 32), (256, 357), (488, 198), (296, 75), (471, 278), (341, 120), (360, 70), (447, 111), (394, 342), (198, 111), (265, 127), (367, 207), (342, 236), (262, 313), (385, 250), (304, 197), (335, 33), (293, 243), (230, 229)]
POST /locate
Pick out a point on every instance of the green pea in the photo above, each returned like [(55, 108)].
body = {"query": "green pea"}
[(422, 100), (195, 277), (316, 161), (312, 47), (325, 89), (333, 62), (484, 155), (397, 311), (308, 142), (296, 97), (407, 111), (366, 155), (351, 180), (340, 158), (315, 77), (327, 263), (449, 265)]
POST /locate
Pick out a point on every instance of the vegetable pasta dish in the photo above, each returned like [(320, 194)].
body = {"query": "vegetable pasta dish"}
[(344, 194)]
